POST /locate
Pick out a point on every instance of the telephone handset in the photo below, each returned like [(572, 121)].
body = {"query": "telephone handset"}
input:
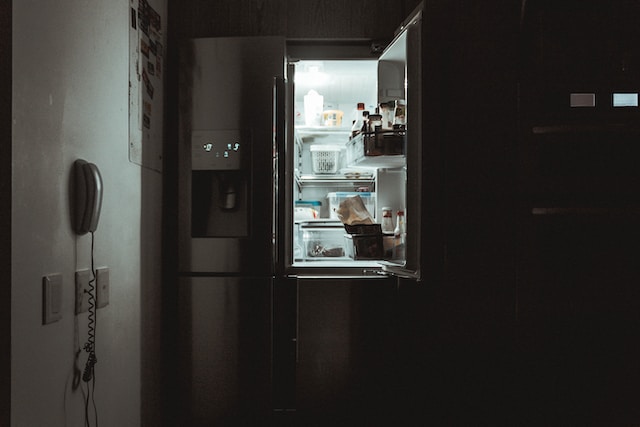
[(88, 195)]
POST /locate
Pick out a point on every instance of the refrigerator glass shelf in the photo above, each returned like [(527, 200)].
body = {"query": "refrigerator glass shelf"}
[(307, 130), (334, 178), (342, 262), (334, 181)]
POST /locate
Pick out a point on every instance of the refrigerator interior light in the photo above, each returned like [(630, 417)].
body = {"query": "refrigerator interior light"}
[(312, 74)]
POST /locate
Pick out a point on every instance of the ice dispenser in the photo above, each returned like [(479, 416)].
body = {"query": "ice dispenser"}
[(219, 181)]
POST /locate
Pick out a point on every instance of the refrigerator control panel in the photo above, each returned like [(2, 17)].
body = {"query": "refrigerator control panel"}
[(216, 150)]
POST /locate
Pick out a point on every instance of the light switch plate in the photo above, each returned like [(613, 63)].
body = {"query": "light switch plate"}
[(51, 298), (102, 287), (82, 290)]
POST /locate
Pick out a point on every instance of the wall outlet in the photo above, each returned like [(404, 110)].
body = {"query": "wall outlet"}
[(82, 290), (51, 298), (102, 287)]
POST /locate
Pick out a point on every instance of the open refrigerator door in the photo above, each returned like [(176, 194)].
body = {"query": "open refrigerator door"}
[(356, 160)]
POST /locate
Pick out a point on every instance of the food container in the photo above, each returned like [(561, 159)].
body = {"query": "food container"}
[(314, 204), (306, 209), (332, 118), (364, 246), (322, 240), (325, 159), (364, 242), (363, 229), (334, 199), (372, 144)]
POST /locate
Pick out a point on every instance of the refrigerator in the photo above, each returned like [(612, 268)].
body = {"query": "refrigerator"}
[(264, 256)]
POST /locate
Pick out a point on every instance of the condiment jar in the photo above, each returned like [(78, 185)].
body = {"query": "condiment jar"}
[(387, 220)]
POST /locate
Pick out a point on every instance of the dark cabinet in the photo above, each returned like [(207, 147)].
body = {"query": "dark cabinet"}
[(577, 271), (578, 324), (577, 139)]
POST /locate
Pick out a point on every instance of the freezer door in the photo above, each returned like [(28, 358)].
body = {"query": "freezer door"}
[(226, 154), (347, 368), (224, 356)]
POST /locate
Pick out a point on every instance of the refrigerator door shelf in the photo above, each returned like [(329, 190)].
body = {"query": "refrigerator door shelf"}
[(379, 149), (399, 270)]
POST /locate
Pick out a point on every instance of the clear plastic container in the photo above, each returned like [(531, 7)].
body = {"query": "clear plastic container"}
[(334, 199), (321, 242)]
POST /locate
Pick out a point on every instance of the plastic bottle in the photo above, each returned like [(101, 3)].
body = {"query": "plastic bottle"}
[(400, 237), (387, 220), (365, 122), (313, 106), (375, 122), (387, 110), (357, 112), (400, 112), (357, 123)]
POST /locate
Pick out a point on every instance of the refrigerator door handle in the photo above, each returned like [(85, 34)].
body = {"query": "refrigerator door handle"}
[(280, 233)]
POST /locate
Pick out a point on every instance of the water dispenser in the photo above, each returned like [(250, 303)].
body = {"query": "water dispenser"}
[(219, 183)]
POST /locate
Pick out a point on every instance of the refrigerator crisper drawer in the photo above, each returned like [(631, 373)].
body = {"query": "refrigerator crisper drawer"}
[(322, 241)]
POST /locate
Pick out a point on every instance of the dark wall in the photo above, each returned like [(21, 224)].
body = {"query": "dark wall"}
[(465, 350), (5, 212), (578, 299), (374, 19)]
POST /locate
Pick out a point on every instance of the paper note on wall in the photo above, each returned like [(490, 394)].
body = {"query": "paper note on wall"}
[(146, 77)]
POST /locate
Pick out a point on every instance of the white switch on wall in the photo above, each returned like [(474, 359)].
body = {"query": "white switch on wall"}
[(51, 298)]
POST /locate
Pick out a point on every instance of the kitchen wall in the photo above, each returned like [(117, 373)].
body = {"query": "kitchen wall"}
[(70, 101), (5, 211), (374, 19)]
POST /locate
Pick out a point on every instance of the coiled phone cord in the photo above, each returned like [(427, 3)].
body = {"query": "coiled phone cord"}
[(90, 346)]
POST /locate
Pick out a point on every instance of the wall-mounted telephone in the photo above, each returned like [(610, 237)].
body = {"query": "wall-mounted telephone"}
[(88, 196)]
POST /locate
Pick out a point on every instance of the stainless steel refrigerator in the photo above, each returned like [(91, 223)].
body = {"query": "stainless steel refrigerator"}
[(247, 297)]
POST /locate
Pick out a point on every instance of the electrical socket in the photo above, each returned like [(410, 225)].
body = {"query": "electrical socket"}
[(102, 287), (82, 290)]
